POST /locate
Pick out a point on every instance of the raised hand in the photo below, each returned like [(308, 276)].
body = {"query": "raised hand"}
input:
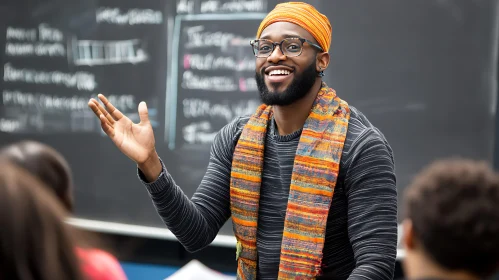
[(134, 140)]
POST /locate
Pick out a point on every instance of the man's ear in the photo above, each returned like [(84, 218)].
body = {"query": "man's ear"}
[(408, 239), (322, 61)]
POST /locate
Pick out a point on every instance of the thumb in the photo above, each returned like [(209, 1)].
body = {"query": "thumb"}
[(143, 114)]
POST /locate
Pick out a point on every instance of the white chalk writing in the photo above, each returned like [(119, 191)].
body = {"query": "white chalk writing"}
[(130, 17), (247, 84), (214, 83), (241, 42), (199, 108), (210, 6), (92, 52), (43, 41), (47, 33), (197, 38), (43, 102), (214, 6), (185, 6), (245, 107), (200, 132), (7, 125), (81, 80), (22, 34), (212, 62), (125, 102), (38, 49)]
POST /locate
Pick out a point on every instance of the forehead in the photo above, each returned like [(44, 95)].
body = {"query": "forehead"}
[(281, 30)]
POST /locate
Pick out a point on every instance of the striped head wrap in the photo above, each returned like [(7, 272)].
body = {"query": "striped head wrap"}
[(304, 15)]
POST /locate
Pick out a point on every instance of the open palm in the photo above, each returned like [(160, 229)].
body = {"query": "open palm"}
[(134, 140)]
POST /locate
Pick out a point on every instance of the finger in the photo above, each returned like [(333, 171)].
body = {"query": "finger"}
[(93, 106), (108, 129), (115, 113), (104, 112), (143, 113), (98, 111)]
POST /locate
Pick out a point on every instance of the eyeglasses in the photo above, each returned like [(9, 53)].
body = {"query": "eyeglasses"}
[(289, 47)]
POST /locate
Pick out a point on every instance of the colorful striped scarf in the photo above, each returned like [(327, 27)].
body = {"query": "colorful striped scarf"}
[(315, 171)]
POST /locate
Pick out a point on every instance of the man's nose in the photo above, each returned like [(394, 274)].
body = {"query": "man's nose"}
[(276, 55)]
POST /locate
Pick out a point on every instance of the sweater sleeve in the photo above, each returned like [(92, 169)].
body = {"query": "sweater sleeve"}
[(372, 207), (195, 222)]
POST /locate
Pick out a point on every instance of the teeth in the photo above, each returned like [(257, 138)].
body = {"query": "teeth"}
[(279, 72)]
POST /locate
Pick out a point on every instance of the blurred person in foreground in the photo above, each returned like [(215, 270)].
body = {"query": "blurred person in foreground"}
[(35, 243), (451, 228), (308, 181), (50, 167)]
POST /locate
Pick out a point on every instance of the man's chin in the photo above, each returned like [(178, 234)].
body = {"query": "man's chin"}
[(277, 88), (274, 98)]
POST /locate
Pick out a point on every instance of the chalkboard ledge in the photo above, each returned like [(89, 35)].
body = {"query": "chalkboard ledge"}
[(156, 233), (141, 231)]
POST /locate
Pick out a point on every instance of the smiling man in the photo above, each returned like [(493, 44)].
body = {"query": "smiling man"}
[(308, 181)]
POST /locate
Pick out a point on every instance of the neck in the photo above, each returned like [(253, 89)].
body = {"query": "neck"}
[(419, 266), (292, 117)]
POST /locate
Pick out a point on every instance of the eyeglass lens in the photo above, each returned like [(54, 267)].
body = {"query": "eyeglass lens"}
[(289, 47)]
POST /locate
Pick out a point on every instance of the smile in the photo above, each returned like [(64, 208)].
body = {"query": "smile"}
[(279, 72)]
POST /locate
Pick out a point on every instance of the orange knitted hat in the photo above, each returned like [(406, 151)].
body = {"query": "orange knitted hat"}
[(304, 15)]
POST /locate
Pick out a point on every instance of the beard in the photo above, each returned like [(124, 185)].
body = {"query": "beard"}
[(298, 88)]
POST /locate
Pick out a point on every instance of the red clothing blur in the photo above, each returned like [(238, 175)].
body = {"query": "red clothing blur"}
[(100, 265)]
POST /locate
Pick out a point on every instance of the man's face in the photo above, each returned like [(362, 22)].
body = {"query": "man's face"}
[(297, 74)]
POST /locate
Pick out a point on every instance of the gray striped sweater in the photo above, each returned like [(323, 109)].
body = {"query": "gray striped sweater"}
[(361, 233)]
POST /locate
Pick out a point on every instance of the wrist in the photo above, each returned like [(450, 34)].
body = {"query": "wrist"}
[(151, 167)]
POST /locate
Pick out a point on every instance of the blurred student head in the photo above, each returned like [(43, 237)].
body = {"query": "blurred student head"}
[(46, 164), (50, 167), (451, 228), (34, 241)]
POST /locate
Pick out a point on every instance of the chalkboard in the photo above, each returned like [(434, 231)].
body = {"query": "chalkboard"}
[(423, 72), (213, 79), (55, 61), (56, 54)]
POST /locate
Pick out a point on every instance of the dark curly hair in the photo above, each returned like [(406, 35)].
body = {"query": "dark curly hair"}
[(453, 206)]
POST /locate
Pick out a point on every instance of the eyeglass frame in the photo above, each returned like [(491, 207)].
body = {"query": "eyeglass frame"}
[(274, 44)]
